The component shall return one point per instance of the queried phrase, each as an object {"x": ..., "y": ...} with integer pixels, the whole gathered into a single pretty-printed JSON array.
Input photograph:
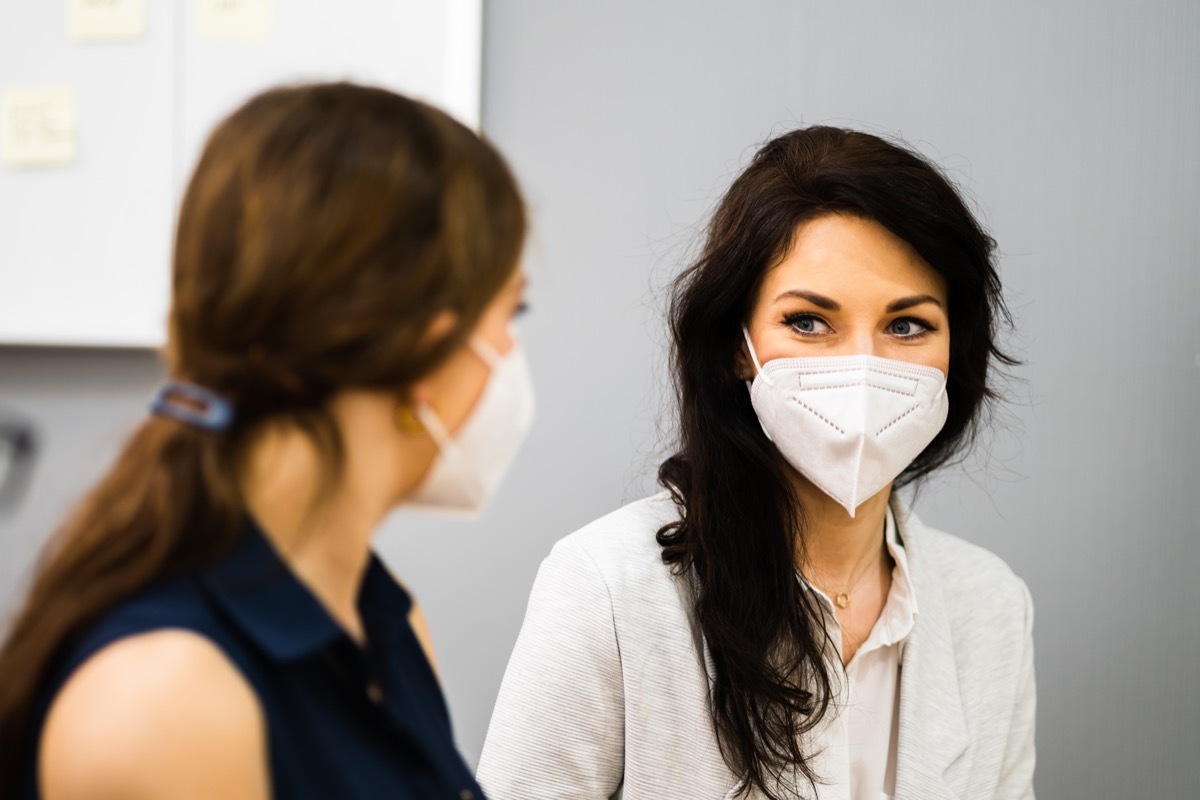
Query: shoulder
[
  {"x": 155, "y": 714},
  {"x": 630, "y": 529},
  {"x": 622, "y": 546},
  {"x": 180, "y": 603},
  {"x": 608, "y": 580},
  {"x": 979, "y": 587}
]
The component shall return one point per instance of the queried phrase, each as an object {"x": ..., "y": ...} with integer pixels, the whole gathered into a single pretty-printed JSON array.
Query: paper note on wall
[
  {"x": 105, "y": 20},
  {"x": 244, "y": 20},
  {"x": 37, "y": 126}
]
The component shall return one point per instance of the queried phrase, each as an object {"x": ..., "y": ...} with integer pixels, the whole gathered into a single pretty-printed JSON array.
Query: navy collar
[{"x": 265, "y": 600}]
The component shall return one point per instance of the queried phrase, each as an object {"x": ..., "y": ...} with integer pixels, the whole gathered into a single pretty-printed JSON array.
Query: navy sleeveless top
[{"x": 342, "y": 720}]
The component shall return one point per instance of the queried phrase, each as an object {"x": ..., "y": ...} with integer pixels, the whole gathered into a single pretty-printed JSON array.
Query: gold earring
[{"x": 407, "y": 420}]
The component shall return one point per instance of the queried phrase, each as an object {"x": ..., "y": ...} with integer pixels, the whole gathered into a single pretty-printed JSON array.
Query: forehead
[{"x": 848, "y": 258}]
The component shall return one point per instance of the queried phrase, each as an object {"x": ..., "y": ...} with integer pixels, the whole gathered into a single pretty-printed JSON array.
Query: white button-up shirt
[{"x": 856, "y": 743}]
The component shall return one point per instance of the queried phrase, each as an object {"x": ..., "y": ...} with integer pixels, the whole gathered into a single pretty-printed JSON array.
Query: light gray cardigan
[{"x": 606, "y": 694}]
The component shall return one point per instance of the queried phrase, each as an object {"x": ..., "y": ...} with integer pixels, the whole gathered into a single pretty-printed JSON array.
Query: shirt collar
[
  {"x": 899, "y": 614},
  {"x": 900, "y": 611},
  {"x": 265, "y": 600}
]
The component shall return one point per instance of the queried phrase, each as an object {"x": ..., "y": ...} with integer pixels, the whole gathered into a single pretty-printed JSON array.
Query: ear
[
  {"x": 442, "y": 325},
  {"x": 743, "y": 364},
  {"x": 438, "y": 328}
]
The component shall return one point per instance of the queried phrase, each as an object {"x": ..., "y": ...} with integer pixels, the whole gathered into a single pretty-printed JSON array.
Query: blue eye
[
  {"x": 909, "y": 328},
  {"x": 807, "y": 324}
]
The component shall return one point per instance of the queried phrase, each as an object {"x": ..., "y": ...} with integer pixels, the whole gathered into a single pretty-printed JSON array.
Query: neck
[
  {"x": 837, "y": 548},
  {"x": 321, "y": 524}
]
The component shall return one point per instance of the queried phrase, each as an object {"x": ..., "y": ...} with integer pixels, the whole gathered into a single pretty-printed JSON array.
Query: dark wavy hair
[{"x": 740, "y": 521}]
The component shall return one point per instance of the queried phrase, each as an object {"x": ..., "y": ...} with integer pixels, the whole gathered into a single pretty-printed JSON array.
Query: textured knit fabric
[
  {"x": 342, "y": 722},
  {"x": 606, "y": 694}
]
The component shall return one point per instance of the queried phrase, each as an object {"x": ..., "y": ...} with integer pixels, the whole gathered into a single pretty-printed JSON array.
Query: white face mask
[
  {"x": 850, "y": 424},
  {"x": 470, "y": 466}
]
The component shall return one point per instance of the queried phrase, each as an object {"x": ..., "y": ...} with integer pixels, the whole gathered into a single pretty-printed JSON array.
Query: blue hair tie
[{"x": 192, "y": 405}]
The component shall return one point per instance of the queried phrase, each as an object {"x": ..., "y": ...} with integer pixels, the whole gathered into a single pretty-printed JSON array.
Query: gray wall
[{"x": 1074, "y": 125}]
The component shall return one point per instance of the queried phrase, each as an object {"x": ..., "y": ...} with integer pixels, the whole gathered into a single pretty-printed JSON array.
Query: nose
[{"x": 862, "y": 343}]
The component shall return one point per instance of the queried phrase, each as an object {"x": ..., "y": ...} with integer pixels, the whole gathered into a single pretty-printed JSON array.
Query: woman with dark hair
[
  {"x": 777, "y": 623},
  {"x": 211, "y": 621}
]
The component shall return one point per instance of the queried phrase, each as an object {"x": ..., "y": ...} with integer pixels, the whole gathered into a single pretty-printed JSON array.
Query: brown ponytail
[{"x": 324, "y": 228}]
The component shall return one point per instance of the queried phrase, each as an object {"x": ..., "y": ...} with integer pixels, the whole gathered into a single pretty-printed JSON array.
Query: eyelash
[
  {"x": 521, "y": 310},
  {"x": 792, "y": 319},
  {"x": 928, "y": 328}
]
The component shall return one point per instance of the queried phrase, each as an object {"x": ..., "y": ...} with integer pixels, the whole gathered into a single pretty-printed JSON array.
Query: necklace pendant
[{"x": 842, "y": 600}]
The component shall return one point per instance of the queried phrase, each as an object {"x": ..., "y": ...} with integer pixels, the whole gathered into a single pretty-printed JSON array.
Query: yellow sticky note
[
  {"x": 37, "y": 126},
  {"x": 105, "y": 20},
  {"x": 245, "y": 20}
]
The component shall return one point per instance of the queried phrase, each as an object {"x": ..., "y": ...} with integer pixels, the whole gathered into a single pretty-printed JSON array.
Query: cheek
[
  {"x": 940, "y": 357},
  {"x": 932, "y": 353},
  {"x": 458, "y": 389},
  {"x": 495, "y": 329},
  {"x": 771, "y": 341}
]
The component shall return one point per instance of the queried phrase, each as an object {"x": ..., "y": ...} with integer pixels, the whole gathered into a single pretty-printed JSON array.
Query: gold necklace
[{"x": 842, "y": 599}]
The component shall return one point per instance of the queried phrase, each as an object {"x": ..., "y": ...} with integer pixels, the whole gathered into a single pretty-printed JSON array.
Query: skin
[
  {"x": 864, "y": 270},
  {"x": 166, "y": 715}
]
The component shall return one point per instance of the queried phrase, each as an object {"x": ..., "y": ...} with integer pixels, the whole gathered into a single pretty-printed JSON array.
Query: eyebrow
[
  {"x": 914, "y": 300},
  {"x": 821, "y": 301}
]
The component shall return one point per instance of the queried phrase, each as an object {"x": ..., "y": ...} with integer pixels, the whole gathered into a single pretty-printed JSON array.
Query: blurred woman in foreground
[{"x": 211, "y": 621}]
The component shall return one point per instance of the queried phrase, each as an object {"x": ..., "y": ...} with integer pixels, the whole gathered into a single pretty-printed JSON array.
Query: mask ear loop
[
  {"x": 754, "y": 357},
  {"x": 487, "y": 354},
  {"x": 429, "y": 418},
  {"x": 436, "y": 429}
]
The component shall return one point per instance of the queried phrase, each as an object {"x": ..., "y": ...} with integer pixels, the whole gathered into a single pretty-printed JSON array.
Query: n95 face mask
[
  {"x": 850, "y": 424},
  {"x": 471, "y": 464}
]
